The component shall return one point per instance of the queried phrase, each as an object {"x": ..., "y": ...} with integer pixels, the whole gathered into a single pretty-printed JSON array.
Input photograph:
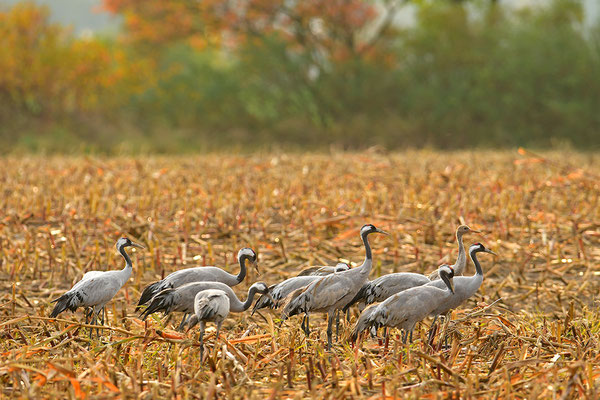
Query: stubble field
[{"x": 532, "y": 331}]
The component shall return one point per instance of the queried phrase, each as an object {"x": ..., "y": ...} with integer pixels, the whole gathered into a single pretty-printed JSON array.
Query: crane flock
[{"x": 205, "y": 294}]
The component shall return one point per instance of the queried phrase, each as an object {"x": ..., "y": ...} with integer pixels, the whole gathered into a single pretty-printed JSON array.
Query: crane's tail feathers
[
  {"x": 369, "y": 318},
  {"x": 163, "y": 301},
  {"x": 67, "y": 301},
  {"x": 149, "y": 293},
  {"x": 295, "y": 303}
]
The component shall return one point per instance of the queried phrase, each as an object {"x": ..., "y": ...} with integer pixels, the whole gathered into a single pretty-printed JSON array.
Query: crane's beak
[
  {"x": 139, "y": 246},
  {"x": 255, "y": 263},
  {"x": 452, "y": 285},
  {"x": 474, "y": 230},
  {"x": 380, "y": 231},
  {"x": 491, "y": 252}
]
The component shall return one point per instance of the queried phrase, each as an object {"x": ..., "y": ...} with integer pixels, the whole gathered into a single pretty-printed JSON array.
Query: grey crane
[
  {"x": 465, "y": 286},
  {"x": 405, "y": 309},
  {"x": 282, "y": 290},
  {"x": 209, "y": 305},
  {"x": 97, "y": 287},
  {"x": 385, "y": 286},
  {"x": 200, "y": 274},
  {"x": 181, "y": 298},
  {"x": 324, "y": 270},
  {"x": 461, "y": 259},
  {"x": 333, "y": 292}
]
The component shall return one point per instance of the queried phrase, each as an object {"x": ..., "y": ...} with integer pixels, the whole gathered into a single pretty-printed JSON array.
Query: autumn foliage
[{"x": 213, "y": 74}]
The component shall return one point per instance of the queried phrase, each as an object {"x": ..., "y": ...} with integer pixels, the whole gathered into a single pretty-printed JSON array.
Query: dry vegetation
[{"x": 532, "y": 331}]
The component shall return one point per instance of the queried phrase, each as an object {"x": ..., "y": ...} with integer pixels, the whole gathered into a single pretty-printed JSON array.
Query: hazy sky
[{"x": 87, "y": 14}]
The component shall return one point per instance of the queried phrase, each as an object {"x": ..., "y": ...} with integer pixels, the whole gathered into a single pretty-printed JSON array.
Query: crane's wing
[
  {"x": 212, "y": 305},
  {"x": 321, "y": 294}
]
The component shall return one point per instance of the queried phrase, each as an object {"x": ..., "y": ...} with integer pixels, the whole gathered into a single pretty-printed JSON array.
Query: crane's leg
[
  {"x": 386, "y": 334},
  {"x": 330, "y": 316},
  {"x": 218, "y": 329},
  {"x": 404, "y": 336},
  {"x": 201, "y": 339},
  {"x": 183, "y": 322},
  {"x": 432, "y": 330},
  {"x": 305, "y": 325},
  {"x": 88, "y": 314},
  {"x": 337, "y": 325}
]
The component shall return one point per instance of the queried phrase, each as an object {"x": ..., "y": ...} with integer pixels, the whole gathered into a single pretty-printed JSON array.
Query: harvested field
[{"x": 533, "y": 330}]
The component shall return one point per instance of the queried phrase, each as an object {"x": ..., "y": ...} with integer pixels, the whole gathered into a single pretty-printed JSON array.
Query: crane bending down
[
  {"x": 97, "y": 287},
  {"x": 461, "y": 260},
  {"x": 465, "y": 286},
  {"x": 200, "y": 274},
  {"x": 181, "y": 299},
  {"x": 405, "y": 309},
  {"x": 388, "y": 285},
  {"x": 209, "y": 305},
  {"x": 333, "y": 292}
]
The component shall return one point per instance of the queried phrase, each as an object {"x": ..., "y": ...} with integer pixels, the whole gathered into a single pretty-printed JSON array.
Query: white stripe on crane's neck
[{"x": 121, "y": 249}]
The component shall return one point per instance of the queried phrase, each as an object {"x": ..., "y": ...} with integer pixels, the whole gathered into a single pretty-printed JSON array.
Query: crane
[
  {"x": 209, "y": 305},
  {"x": 465, "y": 286},
  {"x": 403, "y": 310},
  {"x": 98, "y": 288},
  {"x": 200, "y": 274},
  {"x": 182, "y": 298},
  {"x": 333, "y": 292}
]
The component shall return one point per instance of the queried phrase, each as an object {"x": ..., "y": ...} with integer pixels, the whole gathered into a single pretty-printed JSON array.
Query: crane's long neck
[
  {"x": 368, "y": 263},
  {"x": 461, "y": 260},
  {"x": 237, "y": 306},
  {"x": 128, "y": 265},
  {"x": 242, "y": 260},
  {"x": 473, "y": 255}
]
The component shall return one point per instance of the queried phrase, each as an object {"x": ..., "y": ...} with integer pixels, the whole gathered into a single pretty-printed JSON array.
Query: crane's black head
[
  {"x": 479, "y": 248},
  {"x": 367, "y": 229},
  {"x": 261, "y": 287},
  {"x": 446, "y": 273},
  {"x": 125, "y": 242},
  {"x": 248, "y": 254},
  {"x": 341, "y": 267}
]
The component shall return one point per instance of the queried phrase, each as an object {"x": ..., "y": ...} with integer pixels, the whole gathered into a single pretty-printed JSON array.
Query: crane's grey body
[
  {"x": 333, "y": 292},
  {"x": 325, "y": 270},
  {"x": 403, "y": 310},
  {"x": 211, "y": 305},
  {"x": 199, "y": 274},
  {"x": 464, "y": 286},
  {"x": 96, "y": 287},
  {"x": 181, "y": 299},
  {"x": 461, "y": 260},
  {"x": 282, "y": 290},
  {"x": 385, "y": 286}
]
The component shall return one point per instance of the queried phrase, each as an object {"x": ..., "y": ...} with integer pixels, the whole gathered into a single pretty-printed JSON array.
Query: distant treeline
[{"x": 186, "y": 75}]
